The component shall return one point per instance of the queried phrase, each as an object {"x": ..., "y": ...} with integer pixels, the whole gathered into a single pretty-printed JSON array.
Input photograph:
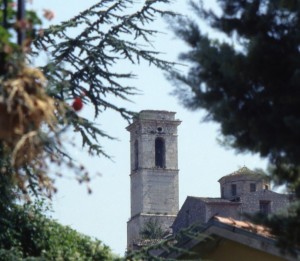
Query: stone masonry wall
[
  {"x": 159, "y": 192},
  {"x": 193, "y": 211},
  {"x": 242, "y": 186},
  {"x": 223, "y": 209},
  {"x": 250, "y": 201}
]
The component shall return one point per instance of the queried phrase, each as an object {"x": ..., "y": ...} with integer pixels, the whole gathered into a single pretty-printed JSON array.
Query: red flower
[
  {"x": 48, "y": 14},
  {"x": 77, "y": 104}
]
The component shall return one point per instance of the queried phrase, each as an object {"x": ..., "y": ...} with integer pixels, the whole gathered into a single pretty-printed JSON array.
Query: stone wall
[
  {"x": 223, "y": 209},
  {"x": 242, "y": 178},
  {"x": 155, "y": 191},
  {"x": 251, "y": 201},
  {"x": 193, "y": 211},
  {"x": 156, "y": 115},
  {"x": 201, "y": 210}
]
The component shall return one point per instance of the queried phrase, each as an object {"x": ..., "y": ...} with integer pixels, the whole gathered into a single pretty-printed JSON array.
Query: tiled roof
[
  {"x": 257, "y": 229},
  {"x": 242, "y": 171},
  {"x": 213, "y": 200},
  {"x": 245, "y": 233}
]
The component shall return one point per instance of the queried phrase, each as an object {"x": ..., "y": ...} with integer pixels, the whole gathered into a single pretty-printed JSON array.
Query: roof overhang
[{"x": 253, "y": 236}]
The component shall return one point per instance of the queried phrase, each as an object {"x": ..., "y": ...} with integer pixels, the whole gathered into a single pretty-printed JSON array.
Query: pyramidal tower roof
[{"x": 244, "y": 171}]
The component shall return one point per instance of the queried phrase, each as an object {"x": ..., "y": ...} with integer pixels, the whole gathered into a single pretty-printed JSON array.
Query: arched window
[
  {"x": 136, "y": 154},
  {"x": 159, "y": 152}
]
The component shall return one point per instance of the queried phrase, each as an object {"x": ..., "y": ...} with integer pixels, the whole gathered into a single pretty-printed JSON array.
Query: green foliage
[
  {"x": 10, "y": 25},
  {"x": 170, "y": 247},
  {"x": 286, "y": 225},
  {"x": 26, "y": 234},
  {"x": 81, "y": 66},
  {"x": 107, "y": 34},
  {"x": 7, "y": 18},
  {"x": 85, "y": 54},
  {"x": 153, "y": 230},
  {"x": 250, "y": 87},
  {"x": 248, "y": 80}
]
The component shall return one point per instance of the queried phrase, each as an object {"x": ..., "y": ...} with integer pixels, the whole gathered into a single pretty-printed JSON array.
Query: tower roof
[
  {"x": 245, "y": 172},
  {"x": 156, "y": 115}
]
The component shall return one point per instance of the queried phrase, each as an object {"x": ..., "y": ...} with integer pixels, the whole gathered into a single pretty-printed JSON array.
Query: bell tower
[{"x": 153, "y": 172}]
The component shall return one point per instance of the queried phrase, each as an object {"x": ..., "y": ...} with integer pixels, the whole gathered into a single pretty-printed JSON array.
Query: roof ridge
[{"x": 242, "y": 171}]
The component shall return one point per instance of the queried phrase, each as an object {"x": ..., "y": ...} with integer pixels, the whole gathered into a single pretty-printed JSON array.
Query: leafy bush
[{"x": 27, "y": 234}]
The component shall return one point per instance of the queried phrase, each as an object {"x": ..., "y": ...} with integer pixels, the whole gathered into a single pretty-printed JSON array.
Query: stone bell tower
[{"x": 153, "y": 173}]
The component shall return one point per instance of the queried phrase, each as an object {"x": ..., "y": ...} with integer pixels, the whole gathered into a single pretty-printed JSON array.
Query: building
[
  {"x": 153, "y": 172},
  {"x": 154, "y": 184},
  {"x": 242, "y": 192},
  {"x": 226, "y": 239}
]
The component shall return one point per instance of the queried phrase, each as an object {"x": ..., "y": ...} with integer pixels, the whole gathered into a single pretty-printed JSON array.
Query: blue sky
[{"x": 202, "y": 161}]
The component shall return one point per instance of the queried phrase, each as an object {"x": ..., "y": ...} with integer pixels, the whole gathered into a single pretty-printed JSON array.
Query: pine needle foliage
[
  {"x": 86, "y": 57},
  {"x": 85, "y": 63},
  {"x": 153, "y": 230},
  {"x": 247, "y": 79},
  {"x": 170, "y": 247}
]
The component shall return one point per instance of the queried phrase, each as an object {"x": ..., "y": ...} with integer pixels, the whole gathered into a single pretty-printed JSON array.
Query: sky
[{"x": 202, "y": 161}]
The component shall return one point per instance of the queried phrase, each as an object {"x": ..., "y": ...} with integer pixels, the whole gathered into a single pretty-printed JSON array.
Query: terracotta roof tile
[{"x": 258, "y": 229}]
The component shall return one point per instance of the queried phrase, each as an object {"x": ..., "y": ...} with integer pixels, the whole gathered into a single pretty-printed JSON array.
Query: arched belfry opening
[
  {"x": 160, "y": 151},
  {"x": 136, "y": 154}
]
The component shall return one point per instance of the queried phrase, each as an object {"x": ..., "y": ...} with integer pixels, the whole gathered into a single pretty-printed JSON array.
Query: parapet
[{"x": 156, "y": 115}]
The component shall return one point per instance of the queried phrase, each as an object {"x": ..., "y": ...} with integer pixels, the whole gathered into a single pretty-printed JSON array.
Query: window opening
[
  {"x": 236, "y": 199},
  {"x": 252, "y": 187},
  {"x": 136, "y": 154},
  {"x": 265, "y": 206},
  {"x": 266, "y": 187},
  {"x": 233, "y": 189},
  {"x": 159, "y": 152}
]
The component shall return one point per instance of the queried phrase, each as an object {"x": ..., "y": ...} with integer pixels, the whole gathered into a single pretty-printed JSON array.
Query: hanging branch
[
  {"x": 85, "y": 63},
  {"x": 34, "y": 102}
]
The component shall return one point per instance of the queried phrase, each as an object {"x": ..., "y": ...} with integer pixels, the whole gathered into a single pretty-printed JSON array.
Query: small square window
[
  {"x": 252, "y": 187},
  {"x": 265, "y": 206}
]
